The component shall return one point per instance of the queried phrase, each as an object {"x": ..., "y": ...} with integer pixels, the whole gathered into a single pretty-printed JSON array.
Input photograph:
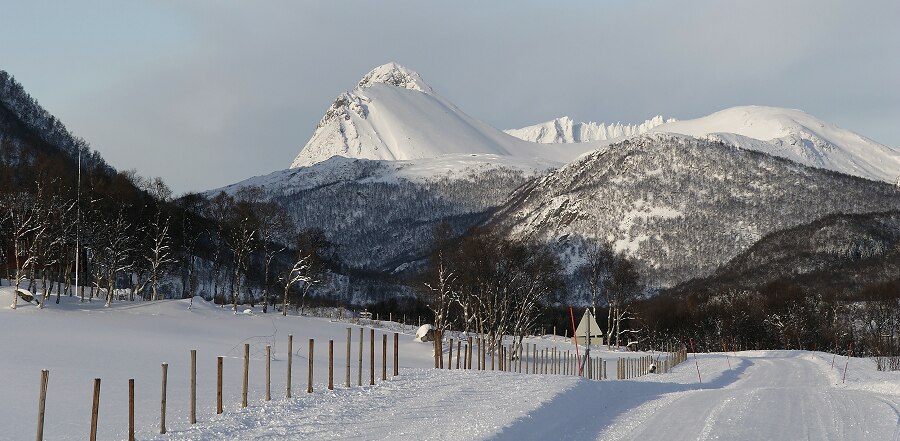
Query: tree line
[{"x": 132, "y": 239}]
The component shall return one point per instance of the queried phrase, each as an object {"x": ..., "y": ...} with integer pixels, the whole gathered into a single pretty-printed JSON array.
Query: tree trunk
[
  {"x": 284, "y": 304},
  {"x": 609, "y": 327},
  {"x": 235, "y": 288},
  {"x": 266, "y": 286},
  {"x": 18, "y": 275}
]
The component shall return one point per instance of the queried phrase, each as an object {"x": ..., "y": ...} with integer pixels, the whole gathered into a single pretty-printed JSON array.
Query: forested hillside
[{"x": 680, "y": 206}]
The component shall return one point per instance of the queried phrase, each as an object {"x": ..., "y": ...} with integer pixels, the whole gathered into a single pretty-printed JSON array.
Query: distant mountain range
[{"x": 787, "y": 133}]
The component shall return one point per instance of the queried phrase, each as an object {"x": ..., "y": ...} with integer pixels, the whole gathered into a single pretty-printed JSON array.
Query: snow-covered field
[{"x": 762, "y": 395}]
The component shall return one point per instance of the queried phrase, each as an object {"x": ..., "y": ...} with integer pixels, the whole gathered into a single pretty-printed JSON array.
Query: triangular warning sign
[{"x": 588, "y": 324}]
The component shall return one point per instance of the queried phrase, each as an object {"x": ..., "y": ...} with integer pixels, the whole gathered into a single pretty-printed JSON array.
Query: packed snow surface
[{"x": 756, "y": 395}]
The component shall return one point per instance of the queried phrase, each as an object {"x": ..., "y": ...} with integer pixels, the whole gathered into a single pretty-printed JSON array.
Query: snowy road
[
  {"x": 778, "y": 395},
  {"x": 772, "y": 396},
  {"x": 784, "y": 397}
]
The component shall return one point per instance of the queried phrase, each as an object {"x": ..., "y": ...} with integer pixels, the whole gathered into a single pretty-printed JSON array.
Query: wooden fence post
[
  {"x": 520, "y": 357},
  {"x": 290, "y": 358},
  {"x": 246, "y": 384},
  {"x": 349, "y": 338},
  {"x": 469, "y": 354},
  {"x": 397, "y": 354},
  {"x": 219, "y": 386},
  {"x": 162, "y": 401},
  {"x": 528, "y": 362},
  {"x": 360, "y": 371},
  {"x": 450, "y": 355},
  {"x": 42, "y": 404},
  {"x": 309, "y": 379},
  {"x": 330, "y": 364},
  {"x": 434, "y": 344},
  {"x": 440, "y": 342},
  {"x": 372, "y": 357},
  {"x": 493, "y": 351},
  {"x": 95, "y": 410},
  {"x": 131, "y": 409},
  {"x": 458, "y": 352},
  {"x": 383, "y": 357},
  {"x": 465, "y": 363},
  {"x": 268, "y": 372},
  {"x": 193, "y": 415}
]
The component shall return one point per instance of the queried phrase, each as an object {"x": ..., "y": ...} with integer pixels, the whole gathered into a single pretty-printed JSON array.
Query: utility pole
[{"x": 78, "y": 221}]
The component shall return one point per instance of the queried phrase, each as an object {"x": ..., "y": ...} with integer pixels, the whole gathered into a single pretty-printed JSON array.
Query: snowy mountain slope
[
  {"x": 565, "y": 130},
  {"x": 680, "y": 206},
  {"x": 421, "y": 171},
  {"x": 393, "y": 115},
  {"x": 795, "y": 135},
  {"x": 841, "y": 254},
  {"x": 380, "y": 214}
]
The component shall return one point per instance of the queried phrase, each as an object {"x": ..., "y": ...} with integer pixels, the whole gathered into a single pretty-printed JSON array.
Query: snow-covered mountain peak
[
  {"x": 566, "y": 130},
  {"x": 395, "y": 75},
  {"x": 393, "y": 115},
  {"x": 795, "y": 135}
]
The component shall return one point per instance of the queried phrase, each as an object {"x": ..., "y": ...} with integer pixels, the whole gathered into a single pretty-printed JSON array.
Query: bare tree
[
  {"x": 23, "y": 223},
  {"x": 273, "y": 226},
  {"x": 624, "y": 288},
  {"x": 159, "y": 255},
  {"x": 439, "y": 293},
  {"x": 299, "y": 272},
  {"x": 242, "y": 234},
  {"x": 598, "y": 259}
]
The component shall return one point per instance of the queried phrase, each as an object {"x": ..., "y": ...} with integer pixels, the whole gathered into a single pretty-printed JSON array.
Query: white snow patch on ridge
[{"x": 642, "y": 211}]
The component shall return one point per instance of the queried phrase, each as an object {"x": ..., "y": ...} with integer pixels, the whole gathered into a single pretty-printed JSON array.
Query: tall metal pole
[{"x": 78, "y": 220}]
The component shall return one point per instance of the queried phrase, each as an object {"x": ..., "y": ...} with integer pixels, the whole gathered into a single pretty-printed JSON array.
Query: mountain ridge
[{"x": 680, "y": 206}]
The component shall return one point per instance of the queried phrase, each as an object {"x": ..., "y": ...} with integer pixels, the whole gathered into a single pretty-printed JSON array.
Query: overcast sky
[{"x": 207, "y": 93}]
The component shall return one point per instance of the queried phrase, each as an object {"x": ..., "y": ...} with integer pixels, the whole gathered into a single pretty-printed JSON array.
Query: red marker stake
[
  {"x": 849, "y": 351},
  {"x": 724, "y": 351},
  {"x": 695, "y": 360},
  {"x": 574, "y": 337}
]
